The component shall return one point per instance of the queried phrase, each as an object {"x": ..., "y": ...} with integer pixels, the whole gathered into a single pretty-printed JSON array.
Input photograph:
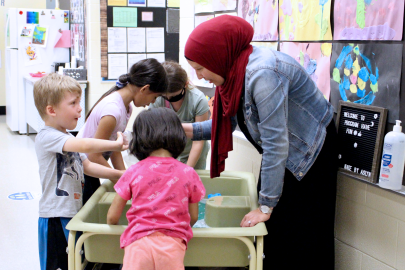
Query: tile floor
[{"x": 19, "y": 218}]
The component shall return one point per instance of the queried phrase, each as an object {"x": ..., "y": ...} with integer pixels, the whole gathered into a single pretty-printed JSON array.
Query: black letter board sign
[{"x": 360, "y": 138}]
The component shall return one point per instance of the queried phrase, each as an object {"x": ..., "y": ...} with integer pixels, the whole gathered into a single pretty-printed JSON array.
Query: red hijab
[{"x": 222, "y": 45}]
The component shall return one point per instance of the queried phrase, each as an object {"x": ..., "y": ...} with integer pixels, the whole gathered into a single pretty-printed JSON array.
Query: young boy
[{"x": 61, "y": 167}]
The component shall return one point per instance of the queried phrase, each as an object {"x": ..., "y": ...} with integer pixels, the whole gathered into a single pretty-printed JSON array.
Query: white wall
[{"x": 11, "y": 4}]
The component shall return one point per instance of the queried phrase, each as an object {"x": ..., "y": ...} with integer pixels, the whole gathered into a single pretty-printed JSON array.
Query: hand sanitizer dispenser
[{"x": 393, "y": 158}]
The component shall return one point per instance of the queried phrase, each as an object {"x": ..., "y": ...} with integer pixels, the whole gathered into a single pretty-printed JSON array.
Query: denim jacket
[{"x": 285, "y": 114}]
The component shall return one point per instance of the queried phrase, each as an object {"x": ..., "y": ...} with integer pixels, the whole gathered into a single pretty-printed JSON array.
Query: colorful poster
[
  {"x": 315, "y": 58},
  {"x": 367, "y": 74},
  {"x": 173, "y": 3},
  {"x": 32, "y": 56},
  {"x": 125, "y": 17},
  {"x": 305, "y": 20},
  {"x": 271, "y": 45},
  {"x": 368, "y": 20},
  {"x": 262, "y": 15},
  {"x": 39, "y": 37},
  {"x": 27, "y": 30}
]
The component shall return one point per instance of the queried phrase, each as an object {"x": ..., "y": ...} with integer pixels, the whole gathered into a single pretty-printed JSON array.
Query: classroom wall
[{"x": 11, "y": 4}]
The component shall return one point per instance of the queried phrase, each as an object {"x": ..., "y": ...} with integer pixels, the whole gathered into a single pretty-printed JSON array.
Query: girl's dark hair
[
  {"x": 147, "y": 71},
  {"x": 176, "y": 76},
  {"x": 157, "y": 128}
]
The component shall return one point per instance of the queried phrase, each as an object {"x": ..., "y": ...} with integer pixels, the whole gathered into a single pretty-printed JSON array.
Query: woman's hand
[
  {"x": 122, "y": 142},
  {"x": 254, "y": 217}
]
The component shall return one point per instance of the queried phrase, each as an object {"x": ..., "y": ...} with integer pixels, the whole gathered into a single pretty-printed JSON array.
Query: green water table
[{"x": 224, "y": 243}]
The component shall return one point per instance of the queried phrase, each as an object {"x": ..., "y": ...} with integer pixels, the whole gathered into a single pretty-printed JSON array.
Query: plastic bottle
[{"x": 393, "y": 158}]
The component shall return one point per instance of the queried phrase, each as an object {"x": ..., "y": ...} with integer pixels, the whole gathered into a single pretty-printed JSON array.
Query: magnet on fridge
[
  {"x": 43, "y": 12},
  {"x": 66, "y": 20},
  {"x": 53, "y": 17},
  {"x": 21, "y": 12},
  {"x": 66, "y": 14}
]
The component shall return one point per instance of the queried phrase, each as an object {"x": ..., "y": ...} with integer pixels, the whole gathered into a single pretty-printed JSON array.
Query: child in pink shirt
[{"x": 165, "y": 195}]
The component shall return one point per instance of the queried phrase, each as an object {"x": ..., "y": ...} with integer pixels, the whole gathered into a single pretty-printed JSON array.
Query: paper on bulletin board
[
  {"x": 121, "y": 3},
  {"x": 156, "y": 3},
  {"x": 125, "y": 17},
  {"x": 136, "y": 40},
  {"x": 262, "y": 15},
  {"x": 147, "y": 16},
  {"x": 173, "y": 3},
  {"x": 201, "y": 6},
  {"x": 32, "y": 55},
  {"x": 117, "y": 39},
  {"x": 134, "y": 58},
  {"x": 117, "y": 65},
  {"x": 137, "y": 3},
  {"x": 155, "y": 39},
  {"x": 226, "y": 13},
  {"x": 158, "y": 56},
  {"x": 315, "y": 58},
  {"x": 370, "y": 20},
  {"x": 40, "y": 36},
  {"x": 305, "y": 20},
  {"x": 221, "y": 5},
  {"x": 367, "y": 74},
  {"x": 63, "y": 39}
]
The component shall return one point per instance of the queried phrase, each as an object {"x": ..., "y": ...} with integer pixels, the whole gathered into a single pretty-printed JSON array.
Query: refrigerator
[{"x": 30, "y": 35}]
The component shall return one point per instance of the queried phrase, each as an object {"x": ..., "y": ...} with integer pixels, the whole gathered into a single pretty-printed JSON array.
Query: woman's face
[{"x": 203, "y": 73}]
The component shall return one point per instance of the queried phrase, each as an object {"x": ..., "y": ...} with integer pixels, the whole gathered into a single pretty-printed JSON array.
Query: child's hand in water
[{"x": 122, "y": 142}]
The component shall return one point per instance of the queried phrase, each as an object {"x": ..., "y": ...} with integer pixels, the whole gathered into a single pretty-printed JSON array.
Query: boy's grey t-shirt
[{"x": 61, "y": 174}]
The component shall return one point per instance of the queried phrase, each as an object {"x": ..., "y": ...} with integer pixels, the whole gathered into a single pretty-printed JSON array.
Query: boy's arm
[
  {"x": 88, "y": 145},
  {"x": 193, "y": 210},
  {"x": 100, "y": 171},
  {"x": 115, "y": 211}
]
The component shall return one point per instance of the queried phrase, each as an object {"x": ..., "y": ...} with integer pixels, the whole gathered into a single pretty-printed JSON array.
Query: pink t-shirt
[
  {"x": 161, "y": 189},
  {"x": 110, "y": 105}
]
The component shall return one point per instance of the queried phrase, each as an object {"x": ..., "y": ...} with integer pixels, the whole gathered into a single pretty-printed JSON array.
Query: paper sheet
[
  {"x": 201, "y": 19},
  {"x": 136, "y": 39},
  {"x": 27, "y": 30},
  {"x": 222, "y": 5},
  {"x": 64, "y": 39},
  {"x": 117, "y": 39},
  {"x": 147, "y": 16},
  {"x": 315, "y": 58},
  {"x": 305, "y": 20},
  {"x": 158, "y": 56},
  {"x": 371, "y": 20},
  {"x": 367, "y": 74},
  {"x": 32, "y": 55},
  {"x": 156, "y": 3},
  {"x": 125, "y": 17},
  {"x": 117, "y": 65},
  {"x": 173, "y": 3},
  {"x": 133, "y": 58},
  {"x": 117, "y": 3},
  {"x": 201, "y": 6},
  {"x": 137, "y": 3},
  {"x": 40, "y": 36},
  {"x": 262, "y": 16},
  {"x": 155, "y": 41},
  {"x": 227, "y": 13}
]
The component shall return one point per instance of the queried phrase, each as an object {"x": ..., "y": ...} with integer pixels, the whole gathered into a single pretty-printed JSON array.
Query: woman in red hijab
[{"x": 286, "y": 118}]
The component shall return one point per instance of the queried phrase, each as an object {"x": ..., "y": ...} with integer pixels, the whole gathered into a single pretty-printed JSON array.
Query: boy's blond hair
[{"x": 51, "y": 89}]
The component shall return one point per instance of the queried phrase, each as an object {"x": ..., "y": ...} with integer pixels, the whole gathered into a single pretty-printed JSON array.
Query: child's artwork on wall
[
  {"x": 315, "y": 58},
  {"x": 39, "y": 36},
  {"x": 305, "y": 20},
  {"x": 271, "y": 45},
  {"x": 367, "y": 74},
  {"x": 262, "y": 15},
  {"x": 368, "y": 19},
  {"x": 201, "y": 6}
]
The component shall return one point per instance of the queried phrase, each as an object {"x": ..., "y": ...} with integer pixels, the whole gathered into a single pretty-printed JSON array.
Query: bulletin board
[{"x": 132, "y": 30}]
